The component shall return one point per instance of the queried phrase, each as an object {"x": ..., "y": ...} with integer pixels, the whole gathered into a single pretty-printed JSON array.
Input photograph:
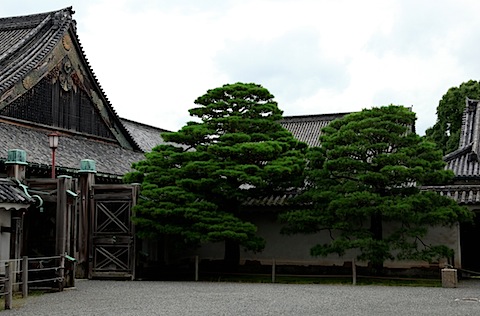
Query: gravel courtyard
[{"x": 118, "y": 298}]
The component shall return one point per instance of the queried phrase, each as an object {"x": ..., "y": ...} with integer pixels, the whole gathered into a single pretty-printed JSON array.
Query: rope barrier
[{"x": 469, "y": 271}]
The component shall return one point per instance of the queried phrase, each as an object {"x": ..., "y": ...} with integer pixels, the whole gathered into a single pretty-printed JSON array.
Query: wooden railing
[{"x": 20, "y": 273}]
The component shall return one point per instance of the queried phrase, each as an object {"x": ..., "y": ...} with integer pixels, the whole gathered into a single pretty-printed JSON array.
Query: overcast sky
[{"x": 153, "y": 58}]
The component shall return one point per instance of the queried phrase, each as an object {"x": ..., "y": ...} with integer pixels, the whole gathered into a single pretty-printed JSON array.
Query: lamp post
[{"x": 53, "y": 143}]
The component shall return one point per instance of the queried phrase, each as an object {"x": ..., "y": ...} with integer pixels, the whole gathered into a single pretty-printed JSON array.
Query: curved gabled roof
[{"x": 26, "y": 42}]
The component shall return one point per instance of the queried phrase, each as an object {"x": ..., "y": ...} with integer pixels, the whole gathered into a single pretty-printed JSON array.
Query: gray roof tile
[
  {"x": 110, "y": 158},
  {"x": 307, "y": 128},
  {"x": 10, "y": 192},
  {"x": 146, "y": 136},
  {"x": 22, "y": 35}
]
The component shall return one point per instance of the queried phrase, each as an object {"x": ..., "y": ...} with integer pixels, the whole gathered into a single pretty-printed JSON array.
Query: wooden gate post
[
  {"x": 16, "y": 167},
  {"x": 136, "y": 247},
  {"x": 61, "y": 216},
  {"x": 87, "y": 180}
]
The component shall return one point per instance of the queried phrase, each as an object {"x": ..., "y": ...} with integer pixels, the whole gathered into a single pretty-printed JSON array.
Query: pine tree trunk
[
  {"x": 232, "y": 255},
  {"x": 377, "y": 230}
]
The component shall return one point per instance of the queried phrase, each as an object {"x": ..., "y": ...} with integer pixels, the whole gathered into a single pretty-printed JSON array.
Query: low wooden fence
[{"x": 20, "y": 275}]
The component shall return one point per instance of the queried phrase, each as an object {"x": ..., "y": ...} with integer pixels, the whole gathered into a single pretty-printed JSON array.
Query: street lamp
[{"x": 53, "y": 143}]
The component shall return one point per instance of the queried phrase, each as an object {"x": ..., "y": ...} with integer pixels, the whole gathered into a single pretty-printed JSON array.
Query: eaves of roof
[
  {"x": 25, "y": 41},
  {"x": 110, "y": 158},
  {"x": 272, "y": 200},
  {"x": 11, "y": 193},
  {"x": 462, "y": 194}
]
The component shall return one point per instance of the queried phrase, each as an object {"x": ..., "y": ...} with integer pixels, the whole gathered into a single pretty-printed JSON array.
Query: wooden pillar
[
  {"x": 74, "y": 206},
  {"x": 61, "y": 215},
  {"x": 67, "y": 213},
  {"x": 136, "y": 246},
  {"x": 87, "y": 180},
  {"x": 16, "y": 165}
]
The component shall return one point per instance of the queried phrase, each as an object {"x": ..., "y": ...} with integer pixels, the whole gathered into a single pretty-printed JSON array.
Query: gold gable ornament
[
  {"x": 28, "y": 82},
  {"x": 67, "y": 42}
]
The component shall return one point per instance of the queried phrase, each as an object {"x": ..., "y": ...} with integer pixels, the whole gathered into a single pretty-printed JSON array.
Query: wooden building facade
[{"x": 47, "y": 85}]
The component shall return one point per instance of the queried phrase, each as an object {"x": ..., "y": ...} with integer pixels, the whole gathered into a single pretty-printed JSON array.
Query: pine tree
[
  {"x": 238, "y": 150},
  {"x": 367, "y": 173}
]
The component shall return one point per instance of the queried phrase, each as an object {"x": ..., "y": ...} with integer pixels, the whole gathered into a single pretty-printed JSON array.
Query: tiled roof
[
  {"x": 307, "y": 128},
  {"x": 22, "y": 35},
  {"x": 10, "y": 192},
  {"x": 273, "y": 200},
  {"x": 26, "y": 44},
  {"x": 464, "y": 161},
  {"x": 146, "y": 136},
  {"x": 110, "y": 158},
  {"x": 463, "y": 194}
]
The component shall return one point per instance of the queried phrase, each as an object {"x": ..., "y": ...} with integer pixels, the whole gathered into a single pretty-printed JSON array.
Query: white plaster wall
[
  {"x": 437, "y": 235},
  {"x": 295, "y": 249},
  {"x": 5, "y": 220}
]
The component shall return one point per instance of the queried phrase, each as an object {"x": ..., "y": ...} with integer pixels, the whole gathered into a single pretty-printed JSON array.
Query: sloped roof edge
[
  {"x": 54, "y": 25},
  {"x": 95, "y": 80}
]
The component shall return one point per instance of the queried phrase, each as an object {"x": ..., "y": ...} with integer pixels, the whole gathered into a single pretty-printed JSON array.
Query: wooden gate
[{"x": 112, "y": 250}]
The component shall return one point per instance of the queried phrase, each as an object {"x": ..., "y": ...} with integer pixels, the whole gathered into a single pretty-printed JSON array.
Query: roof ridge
[
  {"x": 100, "y": 89},
  {"x": 313, "y": 117},
  {"x": 28, "y": 20},
  {"x": 17, "y": 71},
  {"x": 26, "y": 38},
  {"x": 458, "y": 152},
  {"x": 142, "y": 124}
]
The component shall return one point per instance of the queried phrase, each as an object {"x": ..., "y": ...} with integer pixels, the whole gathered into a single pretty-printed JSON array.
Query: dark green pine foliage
[
  {"x": 446, "y": 131},
  {"x": 364, "y": 177},
  {"x": 238, "y": 150}
]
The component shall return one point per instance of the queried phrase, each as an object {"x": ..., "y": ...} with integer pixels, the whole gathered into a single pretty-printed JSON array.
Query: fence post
[
  {"x": 8, "y": 284},
  {"x": 273, "y": 270},
  {"x": 354, "y": 272},
  {"x": 61, "y": 272},
  {"x": 196, "y": 268},
  {"x": 25, "y": 277}
]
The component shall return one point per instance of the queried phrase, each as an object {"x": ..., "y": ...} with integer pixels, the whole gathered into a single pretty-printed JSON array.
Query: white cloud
[{"x": 153, "y": 58}]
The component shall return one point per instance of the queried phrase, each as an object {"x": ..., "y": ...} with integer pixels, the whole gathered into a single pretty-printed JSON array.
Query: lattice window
[
  {"x": 34, "y": 105},
  {"x": 89, "y": 119},
  {"x": 47, "y": 103}
]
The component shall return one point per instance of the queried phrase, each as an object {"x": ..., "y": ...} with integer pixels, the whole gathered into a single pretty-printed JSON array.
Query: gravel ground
[{"x": 118, "y": 298}]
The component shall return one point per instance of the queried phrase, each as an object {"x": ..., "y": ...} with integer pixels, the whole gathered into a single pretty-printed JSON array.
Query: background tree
[
  {"x": 364, "y": 176},
  {"x": 237, "y": 151},
  {"x": 446, "y": 131}
]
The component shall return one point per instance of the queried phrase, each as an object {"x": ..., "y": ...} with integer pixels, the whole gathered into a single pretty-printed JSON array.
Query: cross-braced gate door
[{"x": 112, "y": 250}]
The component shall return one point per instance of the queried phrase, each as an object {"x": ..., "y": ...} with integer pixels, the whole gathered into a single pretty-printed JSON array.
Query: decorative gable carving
[{"x": 55, "y": 86}]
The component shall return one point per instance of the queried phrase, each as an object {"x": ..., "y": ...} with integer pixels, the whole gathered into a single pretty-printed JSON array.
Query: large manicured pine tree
[
  {"x": 193, "y": 191},
  {"x": 367, "y": 173}
]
